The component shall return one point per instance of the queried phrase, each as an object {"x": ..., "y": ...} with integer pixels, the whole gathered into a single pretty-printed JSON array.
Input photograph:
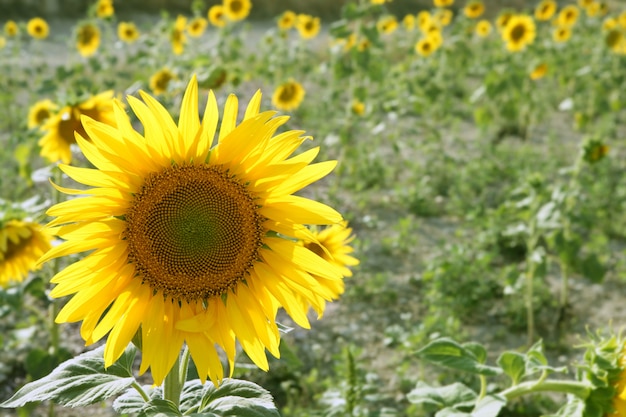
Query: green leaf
[
  {"x": 593, "y": 269},
  {"x": 536, "y": 361},
  {"x": 513, "y": 364},
  {"x": 232, "y": 398},
  {"x": 447, "y": 352},
  {"x": 575, "y": 407},
  {"x": 79, "y": 381},
  {"x": 158, "y": 407},
  {"x": 489, "y": 406},
  {"x": 454, "y": 395},
  {"x": 131, "y": 402},
  {"x": 40, "y": 362},
  {"x": 451, "y": 412}
]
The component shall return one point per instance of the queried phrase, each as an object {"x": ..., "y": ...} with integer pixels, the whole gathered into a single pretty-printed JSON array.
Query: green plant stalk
[
  {"x": 530, "y": 311},
  {"x": 578, "y": 388},
  {"x": 171, "y": 385},
  {"x": 564, "y": 285}
]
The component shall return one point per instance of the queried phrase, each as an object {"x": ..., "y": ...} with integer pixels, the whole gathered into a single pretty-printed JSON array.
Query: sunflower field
[{"x": 403, "y": 209}]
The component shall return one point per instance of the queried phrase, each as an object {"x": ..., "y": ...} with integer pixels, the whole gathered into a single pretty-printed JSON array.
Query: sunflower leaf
[
  {"x": 446, "y": 352},
  {"x": 232, "y": 398},
  {"x": 80, "y": 381}
]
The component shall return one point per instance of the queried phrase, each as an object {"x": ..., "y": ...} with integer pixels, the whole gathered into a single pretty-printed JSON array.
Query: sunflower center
[
  {"x": 236, "y": 6},
  {"x": 193, "y": 231},
  {"x": 86, "y": 35},
  {"x": 14, "y": 248},
  {"x": 518, "y": 32},
  {"x": 288, "y": 93}
]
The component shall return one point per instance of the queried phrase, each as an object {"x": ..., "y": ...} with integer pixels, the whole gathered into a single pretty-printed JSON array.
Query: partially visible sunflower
[
  {"x": 196, "y": 27},
  {"x": 545, "y": 10},
  {"x": 177, "y": 35},
  {"x": 609, "y": 23},
  {"x": 363, "y": 44},
  {"x": 616, "y": 41},
  {"x": 426, "y": 46},
  {"x": 443, "y": 17},
  {"x": 60, "y": 128},
  {"x": 423, "y": 19},
  {"x": 443, "y": 3},
  {"x": 237, "y": 10},
  {"x": 40, "y": 112},
  {"x": 308, "y": 26},
  {"x": 287, "y": 20},
  {"x": 288, "y": 96},
  {"x": 387, "y": 24},
  {"x": 474, "y": 9},
  {"x": 408, "y": 21},
  {"x": 3, "y": 42},
  {"x": 503, "y": 19},
  {"x": 562, "y": 34},
  {"x": 519, "y": 32},
  {"x": 161, "y": 80},
  {"x": 11, "y": 29},
  {"x": 621, "y": 19},
  {"x": 38, "y": 28},
  {"x": 192, "y": 243},
  {"x": 216, "y": 16},
  {"x": 567, "y": 16},
  {"x": 22, "y": 243},
  {"x": 127, "y": 32},
  {"x": 357, "y": 107},
  {"x": 105, "y": 8},
  {"x": 483, "y": 28},
  {"x": 87, "y": 39},
  {"x": 380, "y": 1},
  {"x": 539, "y": 71}
]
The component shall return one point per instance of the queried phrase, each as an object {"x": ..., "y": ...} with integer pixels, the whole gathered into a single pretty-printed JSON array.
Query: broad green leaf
[
  {"x": 131, "y": 402},
  {"x": 536, "y": 361},
  {"x": 158, "y": 407},
  {"x": 79, "y": 381},
  {"x": 489, "y": 406},
  {"x": 454, "y": 395},
  {"x": 513, "y": 364},
  {"x": 451, "y": 412},
  {"x": 447, "y": 352}
]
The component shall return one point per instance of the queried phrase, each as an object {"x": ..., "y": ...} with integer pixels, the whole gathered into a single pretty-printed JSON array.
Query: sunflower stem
[
  {"x": 578, "y": 388},
  {"x": 172, "y": 386},
  {"x": 141, "y": 392}
]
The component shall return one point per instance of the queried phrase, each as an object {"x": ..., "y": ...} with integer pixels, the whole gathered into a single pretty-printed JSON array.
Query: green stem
[
  {"x": 577, "y": 388},
  {"x": 184, "y": 366},
  {"x": 483, "y": 387},
  {"x": 564, "y": 284},
  {"x": 530, "y": 311},
  {"x": 140, "y": 390},
  {"x": 175, "y": 379}
]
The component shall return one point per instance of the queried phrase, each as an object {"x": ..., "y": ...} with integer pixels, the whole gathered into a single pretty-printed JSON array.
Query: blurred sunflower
[
  {"x": 562, "y": 34},
  {"x": 196, "y": 27},
  {"x": 105, "y": 8},
  {"x": 474, "y": 9},
  {"x": 127, "y": 32},
  {"x": 503, "y": 19},
  {"x": 288, "y": 96},
  {"x": 621, "y": 19},
  {"x": 594, "y": 150},
  {"x": 87, "y": 39},
  {"x": 443, "y": 3},
  {"x": 308, "y": 26},
  {"x": 287, "y": 20},
  {"x": 191, "y": 244},
  {"x": 609, "y": 23},
  {"x": 363, "y": 44},
  {"x": 545, "y": 10},
  {"x": 408, "y": 21},
  {"x": 22, "y": 243},
  {"x": 568, "y": 16},
  {"x": 40, "y": 112},
  {"x": 387, "y": 24},
  {"x": 160, "y": 80},
  {"x": 519, "y": 33},
  {"x": 426, "y": 46},
  {"x": 357, "y": 107},
  {"x": 539, "y": 71},
  {"x": 616, "y": 41},
  {"x": 483, "y": 28},
  {"x": 423, "y": 18},
  {"x": 216, "y": 16},
  {"x": 38, "y": 28},
  {"x": 443, "y": 17},
  {"x": 3, "y": 42},
  {"x": 60, "y": 128},
  {"x": 380, "y": 1},
  {"x": 177, "y": 35},
  {"x": 237, "y": 10},
  {"x": 593, "y": 9},
  {"x": 585, "y": 3},
  {"x": 11, "y": 29}
]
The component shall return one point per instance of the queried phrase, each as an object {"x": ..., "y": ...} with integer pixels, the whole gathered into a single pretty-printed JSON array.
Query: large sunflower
[
  {"x": 236, "y": 10},
  {"x": 22, "y": 243},
  {"x": 519, "y": 32},
  {"x": 288, "y": 96},
  {"x": 87, "y": 39},
  {"x": 189, "y": 243},
  {"x": 55, "y": 144}
]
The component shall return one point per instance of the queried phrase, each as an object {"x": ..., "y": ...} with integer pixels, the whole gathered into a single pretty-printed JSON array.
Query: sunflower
[
  {"x": 104, "y": 8},
  {"x": 443, "y": 17},
  {"x": 621, "y": 19},
  {"x": 483, "y": 28},
  {"x": 562, "y": 34},
  {"x": 308, "y": 26},
  {"x": 443, "y": 3},
  {"x": 539, "y": 71},
  {"x": 236, "y": 10},
  {"x": 568, "y": 16},
  {"x": 40, "y": 112},
  {"x": 357, "y": 107},
  {"x": 60, "y": 128},
  {"x": 191, "y": 244},
  {"x": 288, "y": 96},
  {"x": 22, "y": 243},
  {"x": 426, "y": 46},
  {"x": 519, "y": 32},
  {"x": 177, "y": 35},
  {"x": 127, "y": 32},
  {"x": 87, "y": 39},
  {"x": 594, "y": 9},
  {"x": 503, "y": 19},
  {"x": 161, "y": 80},
  {"x": 3, "y": 42},
  {"x": 545, "y": 10},
  {"x": 216, "y": 16},
  {"x": 609, "y": 23},
  {"x": 616, "y": 41},
  {"x": 38, "y": 28},
  {"x": 387, "y": 24},
  {"x": 363, "y": 44},
  {"x": 287, "y": 20},
  {"x": 408, "y": 21},
  {"x": 196, "y": 27},
  {"x": 474, "y": 9},
  {"x": 11, "y": 29},
  {"x": 423, "y": 19}
]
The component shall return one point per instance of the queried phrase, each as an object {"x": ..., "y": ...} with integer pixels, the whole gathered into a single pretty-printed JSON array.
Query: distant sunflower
[
  {"x": 161, "y": 80},
  {"x": 177, "y": 35},
  {"x": 519, "y": 32},
  {"x": 443, "y": 3},
  {"x": 424, "y": 18},
  {"x": 387, "y": 24},
  {"x": 288, "y": 96},
  {"x": 408, "y": 21},
  {"x": 22, "y": 243},
  {"x": 216, "y": 16},
  {"x": 3, "y": 42},
  {"x": 562, "y": 34},
  {"x": 127, "y": 32},
  {"x": 363, "y": 44},
  {"x": 60, "y": 128},
  {"x": 545, "y": 10},
  {"x": 237, "y": 10},
  {"x": 483, "y": 28},
  {"x": 357, "y": 107},
  {"x": 615, "y": 40},
  {"x": 443, "y": 16},
  {"x": 609, "y": 23},
  {"x": 40, "y": 112},
  {"x": 425, "y": 46},
  {"x": 474, "y": 9},
  {"x": 287, "y": 20},
  {"x": 539, "y": 71},
  {"x": 503, "y": 19},
  {"x": 87, "y": 39},
  {"x": 105, "y": 8},
  {"x": 11, "y": 29},
  {"x": 568, "y": 16},
  {"x": 308, "y": 26},
  {"x": 191, "y": 244},
  {"x": 38, "y": 28},
  {"x": 196, "y": 27}
]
